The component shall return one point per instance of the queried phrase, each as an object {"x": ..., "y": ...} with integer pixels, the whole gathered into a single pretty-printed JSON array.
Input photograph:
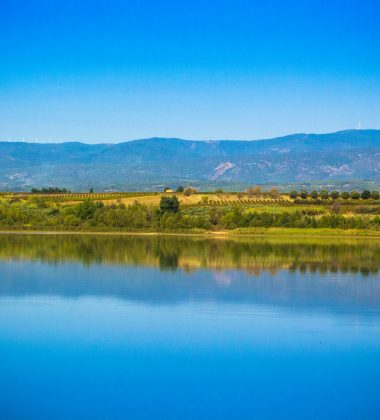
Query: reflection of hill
[{"x": 191, "y": 253}]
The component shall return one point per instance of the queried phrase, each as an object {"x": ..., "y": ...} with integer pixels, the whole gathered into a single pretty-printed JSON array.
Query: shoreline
[{"x": 269, "y": 232}]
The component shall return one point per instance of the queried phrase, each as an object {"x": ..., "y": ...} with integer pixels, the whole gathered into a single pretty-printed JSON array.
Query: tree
[
  {"x": 86, "y": 210},
  {"x": 180, "y": 189},
  {"x": 303, "y": 194},
  {"x": 254, "y": 191},
  {"x": 375, "y": 195},
  {"x": 91, "y": 190},
  {"x": 324, "y": 194},
  {"x": 334, "y": 195},
  {"x": 345, "y": 195},
  {"x": 314, "y": 195},
  {"x": 354, "y": 195},
  {"x": 366, "y": 194},
  {"x": 169, "y": 204},
  {"x": 204, "y": 200},
  {"x": 274, "y": 193},
  {"x": 189, "y": 191},
  {"x": 293, "y": 194}
]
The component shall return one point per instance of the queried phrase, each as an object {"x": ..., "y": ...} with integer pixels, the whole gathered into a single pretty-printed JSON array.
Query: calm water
[{"x": 138, "y": 327}]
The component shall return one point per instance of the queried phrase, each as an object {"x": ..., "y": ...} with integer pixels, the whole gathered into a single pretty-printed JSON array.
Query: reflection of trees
[{"x": 312, "y": 255}]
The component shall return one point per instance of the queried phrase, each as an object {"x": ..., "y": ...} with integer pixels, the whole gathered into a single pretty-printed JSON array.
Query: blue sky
[{"x": 113, "y": 70}]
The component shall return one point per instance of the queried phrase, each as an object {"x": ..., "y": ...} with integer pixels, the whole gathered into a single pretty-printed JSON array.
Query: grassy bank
[{"x": 241, "y": 232}]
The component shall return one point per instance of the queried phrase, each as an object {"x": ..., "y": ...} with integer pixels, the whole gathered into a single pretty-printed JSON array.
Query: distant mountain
[{"x": 149, "y": 164}]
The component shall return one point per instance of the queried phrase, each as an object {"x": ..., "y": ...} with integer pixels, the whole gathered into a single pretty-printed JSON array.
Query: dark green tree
[
  {"x": 180, "y": 189},
  {"x": 169, "y": 204},
  {"x": 354, "y": 195},
  {"x": 314, "y": 195},
  {"x": 334, "y": 195},
  {"x": 345, "y": 195},
  {"x": 293, "y": 194},
  {"x": 303, "y": 194},
  {"x": 375, "y": 195},
  {"x": 324, "y": 194},
  {"x": 365, "y": 195}
]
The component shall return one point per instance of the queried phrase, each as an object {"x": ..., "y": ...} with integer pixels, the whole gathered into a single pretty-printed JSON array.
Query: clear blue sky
[{"x": 116, "y": 70}]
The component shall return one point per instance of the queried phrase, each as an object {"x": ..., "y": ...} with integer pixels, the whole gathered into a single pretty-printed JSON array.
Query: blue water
[{"x": 105, "y": 340}]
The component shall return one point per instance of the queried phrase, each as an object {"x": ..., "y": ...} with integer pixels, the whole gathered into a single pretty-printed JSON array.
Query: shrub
[{"x": 336, "y": 207}]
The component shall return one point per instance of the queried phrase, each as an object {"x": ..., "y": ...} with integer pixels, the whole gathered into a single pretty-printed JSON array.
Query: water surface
[{"x": 165, "y": 327}]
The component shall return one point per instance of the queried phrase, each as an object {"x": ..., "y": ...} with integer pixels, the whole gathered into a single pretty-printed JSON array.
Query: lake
[{"x": 98, "y": 326}]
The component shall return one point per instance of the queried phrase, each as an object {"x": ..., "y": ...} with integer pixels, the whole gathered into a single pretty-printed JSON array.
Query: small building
[{"x": 168, "y": 190}]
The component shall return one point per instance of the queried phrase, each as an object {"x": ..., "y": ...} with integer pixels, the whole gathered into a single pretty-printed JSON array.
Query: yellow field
[
  {"x": 194, "y": 199},
  {"x": 150, "y": 199}
]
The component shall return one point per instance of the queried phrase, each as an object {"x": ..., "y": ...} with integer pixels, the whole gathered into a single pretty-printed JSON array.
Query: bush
[
  {"x": 293, "y": 194},
  {"x": 303, "y": 194},
  {"x": 336, "y": 207},
  {"x": 345, "y": 195}
]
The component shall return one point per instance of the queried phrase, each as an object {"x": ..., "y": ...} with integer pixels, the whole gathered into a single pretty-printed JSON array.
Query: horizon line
[{"x": 183, "y": 139}]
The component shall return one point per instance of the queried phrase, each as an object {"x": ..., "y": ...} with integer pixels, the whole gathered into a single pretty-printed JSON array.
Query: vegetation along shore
[{"x": 252, "y": 212}]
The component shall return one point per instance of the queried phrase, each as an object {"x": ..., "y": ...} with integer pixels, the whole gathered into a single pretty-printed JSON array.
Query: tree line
[
  {"x": 168, "y": 216},
  {"x": 324, "y": 195}
]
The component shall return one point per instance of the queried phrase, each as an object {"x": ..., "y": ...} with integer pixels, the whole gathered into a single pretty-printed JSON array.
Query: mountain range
[{"x": 340, "y": 158}]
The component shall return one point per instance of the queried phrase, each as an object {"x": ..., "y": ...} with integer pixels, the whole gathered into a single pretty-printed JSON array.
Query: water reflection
[
  {"x": 314, "y": 255},
  {"x": 330, "y": 274},
  {"x": 167, "y": 327}
]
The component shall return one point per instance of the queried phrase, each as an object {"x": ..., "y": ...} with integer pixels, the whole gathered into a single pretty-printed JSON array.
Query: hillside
[{"x": 148, "y": 164}]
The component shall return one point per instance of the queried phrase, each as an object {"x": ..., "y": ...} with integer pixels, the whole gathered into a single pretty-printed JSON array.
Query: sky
[{"x": 110, "y": 71}]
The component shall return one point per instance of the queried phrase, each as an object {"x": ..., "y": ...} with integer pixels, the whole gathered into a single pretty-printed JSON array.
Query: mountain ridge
[{"x": 147, "y": 164}]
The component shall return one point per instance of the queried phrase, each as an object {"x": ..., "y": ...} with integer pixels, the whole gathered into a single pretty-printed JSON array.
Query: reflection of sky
[
  {"x": 107, "y": 341},
  {"x": 343, "y": 292},
  {"x": 104, "y": 357}
]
